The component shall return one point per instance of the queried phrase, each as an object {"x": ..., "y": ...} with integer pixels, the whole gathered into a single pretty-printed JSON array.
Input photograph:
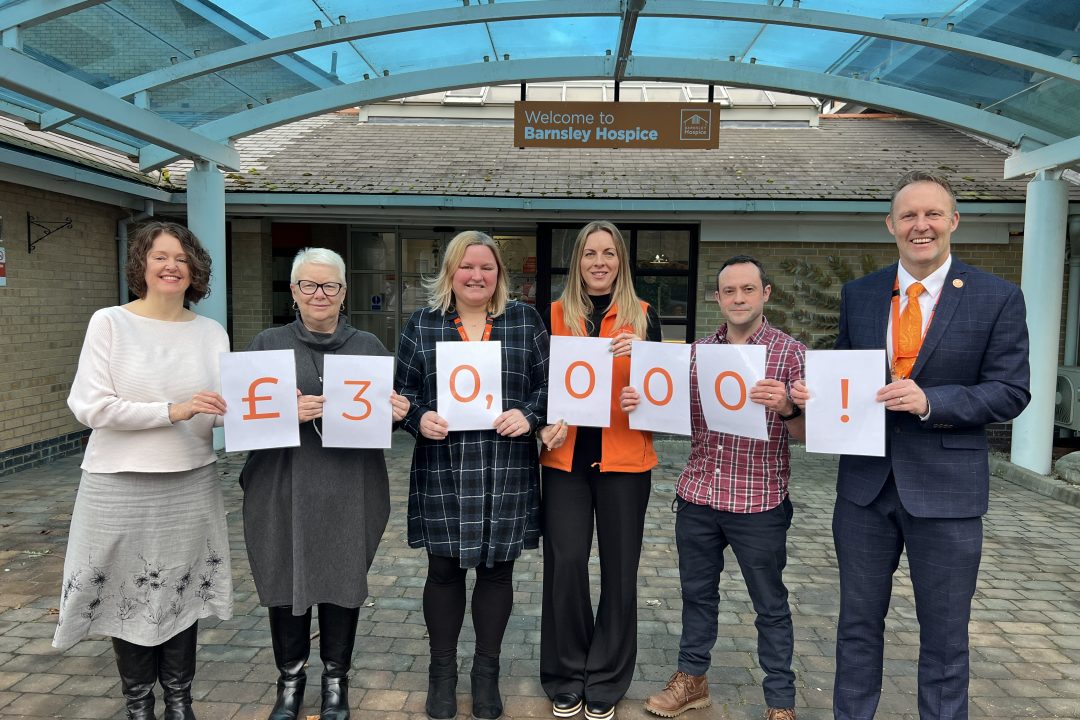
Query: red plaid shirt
[{"x": 740, "y": 474}]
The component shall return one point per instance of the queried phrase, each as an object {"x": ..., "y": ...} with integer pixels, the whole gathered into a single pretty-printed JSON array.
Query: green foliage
[{"x": 804, "y": 270}]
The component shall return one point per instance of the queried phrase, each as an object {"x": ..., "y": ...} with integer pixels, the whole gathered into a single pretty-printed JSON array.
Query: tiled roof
[
  {"x": 845, "y": 158},
  {"x": 15, "y": 133}
]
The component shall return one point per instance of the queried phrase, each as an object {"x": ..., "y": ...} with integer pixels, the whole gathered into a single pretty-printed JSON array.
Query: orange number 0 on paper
[
  {"x": 742, "y": 389},
  {"x": 453, "y": 383},
  {"x": 670, "y": 386},
  {"x": 592, "y": 379}
]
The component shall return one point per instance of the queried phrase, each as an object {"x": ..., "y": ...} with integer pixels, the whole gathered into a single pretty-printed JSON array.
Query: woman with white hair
[
  {"x": 313, "y": 515},
  {"x": 474, "y": 495}
]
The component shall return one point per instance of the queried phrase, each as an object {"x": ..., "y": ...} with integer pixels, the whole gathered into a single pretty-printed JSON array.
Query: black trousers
[
  {"x": 444, "y": 605},
  {"x": 593, "y": 657}
]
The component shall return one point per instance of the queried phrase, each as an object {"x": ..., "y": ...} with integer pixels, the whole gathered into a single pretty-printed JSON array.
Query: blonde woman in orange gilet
[{"x": 595, "y": 477}]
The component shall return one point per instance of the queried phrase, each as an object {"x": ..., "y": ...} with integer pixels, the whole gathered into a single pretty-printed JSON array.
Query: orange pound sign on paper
[
  {"x": 476, "y": 384},
  {"x": 592, "y": 379},
  {"x": 252, "y": 399},
  {"x": 670, "y": 386},
  {"x": 843, "y": 399},
  {"x": 364, "y": 385},
  {"x": 742, "y": 389}
]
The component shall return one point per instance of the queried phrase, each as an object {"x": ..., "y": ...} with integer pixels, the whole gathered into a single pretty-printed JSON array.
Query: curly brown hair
[{"x": 198, "y": 259}]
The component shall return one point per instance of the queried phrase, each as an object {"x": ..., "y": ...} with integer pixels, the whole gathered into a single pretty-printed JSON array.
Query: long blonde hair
[
  {"x": 441, "y": 288},
  {"x": 576, "y": 303}
]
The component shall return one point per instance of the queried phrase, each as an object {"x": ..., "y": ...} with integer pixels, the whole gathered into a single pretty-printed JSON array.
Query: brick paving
[{"x": 1025, "y": 630}]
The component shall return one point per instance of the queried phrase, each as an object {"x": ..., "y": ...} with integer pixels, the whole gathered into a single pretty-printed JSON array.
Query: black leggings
[{"x": 444, "y": 605}]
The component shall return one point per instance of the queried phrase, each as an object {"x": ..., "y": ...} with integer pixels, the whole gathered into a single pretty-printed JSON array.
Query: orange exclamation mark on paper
[{"x": 843, "y": 399}]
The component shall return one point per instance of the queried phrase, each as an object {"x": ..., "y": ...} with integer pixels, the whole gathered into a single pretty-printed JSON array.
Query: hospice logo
[{"x": 696, "y": 124}]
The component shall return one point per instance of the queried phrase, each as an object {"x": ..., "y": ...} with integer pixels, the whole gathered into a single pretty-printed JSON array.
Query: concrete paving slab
[{"x": 1025, "y": 631}]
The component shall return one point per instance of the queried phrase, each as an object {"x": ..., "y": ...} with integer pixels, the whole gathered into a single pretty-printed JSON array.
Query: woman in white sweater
[{"x": 148, "y": 551}]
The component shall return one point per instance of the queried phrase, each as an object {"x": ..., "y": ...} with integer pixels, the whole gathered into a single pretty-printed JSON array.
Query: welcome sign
[{"x": 616, "y": 125}]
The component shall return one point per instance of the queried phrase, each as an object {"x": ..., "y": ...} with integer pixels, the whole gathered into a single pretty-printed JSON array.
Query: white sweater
[{"x": 130, "y": 369}]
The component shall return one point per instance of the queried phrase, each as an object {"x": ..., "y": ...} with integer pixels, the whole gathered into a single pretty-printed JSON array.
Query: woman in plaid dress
[{"x": 474, "y": 496}]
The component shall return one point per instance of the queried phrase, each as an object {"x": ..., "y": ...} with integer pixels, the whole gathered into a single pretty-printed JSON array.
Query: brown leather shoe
[
  {"x": 683, "y": 692},
  {"x": 780, "y": 713}
]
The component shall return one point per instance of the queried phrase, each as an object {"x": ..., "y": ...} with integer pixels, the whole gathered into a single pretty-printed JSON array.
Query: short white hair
[{"x": 317, "y": 256}]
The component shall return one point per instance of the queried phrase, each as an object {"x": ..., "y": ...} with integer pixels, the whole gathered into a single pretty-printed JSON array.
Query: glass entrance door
[{"x": 663, "y": 259}]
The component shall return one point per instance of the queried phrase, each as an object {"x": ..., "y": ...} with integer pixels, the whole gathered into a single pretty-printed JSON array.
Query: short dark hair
[
  {"x": 739, "y": 260},
  {"x": 917, "y": 176},
  {"x": 198, "y": 259}
]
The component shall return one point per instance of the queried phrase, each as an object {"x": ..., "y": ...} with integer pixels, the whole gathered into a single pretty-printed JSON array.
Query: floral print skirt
[{"x": 147, "y": 556}]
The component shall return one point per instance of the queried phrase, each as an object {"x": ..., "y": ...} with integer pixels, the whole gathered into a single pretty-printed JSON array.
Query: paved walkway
[{"x": 1025, "y": 631}]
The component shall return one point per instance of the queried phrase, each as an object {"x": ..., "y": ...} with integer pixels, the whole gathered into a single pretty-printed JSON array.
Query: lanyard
[
  {"x": 896, "y": 320},
  {"x": 465, "y": 336}
]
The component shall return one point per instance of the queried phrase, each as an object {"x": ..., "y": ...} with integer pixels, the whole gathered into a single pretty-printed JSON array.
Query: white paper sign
[
  {"x": 842, "y": 415},
  {"x": 357, "y": 411},
  {"x": 259, "y": 388},
  {"x": 725, "y": 374},
  {"x": 579, "y": 381},
  {"x": 661, "y": 374},
  {"x": 469, "y": 382}
]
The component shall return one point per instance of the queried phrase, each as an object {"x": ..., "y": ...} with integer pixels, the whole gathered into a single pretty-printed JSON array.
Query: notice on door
[{"x": 616, "y": 125}]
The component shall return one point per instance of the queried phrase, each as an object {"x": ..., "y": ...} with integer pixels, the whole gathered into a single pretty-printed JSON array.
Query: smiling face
[
  {"x": 167, "y": 271},
  {"x": 599, "y": 263},
  {"x": 475, "y": 279},
  {"x": 741, "y": 297},
  {"x": 319, "y": 312},
  {"x": 922, "y": 220}
]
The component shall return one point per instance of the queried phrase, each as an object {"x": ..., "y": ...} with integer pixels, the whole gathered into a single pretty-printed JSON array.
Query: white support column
[
  {"x": 1042, "y": 279},
  {"x": 206, "y": 218}
]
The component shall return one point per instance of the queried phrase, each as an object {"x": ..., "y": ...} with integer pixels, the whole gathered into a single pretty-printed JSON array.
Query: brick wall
[
  {"x": 250, "y": 267},
  {"x": 48, "y": 300},
  {"x": 1002, "y": 260},
  {"x": 813, "y": 260}
]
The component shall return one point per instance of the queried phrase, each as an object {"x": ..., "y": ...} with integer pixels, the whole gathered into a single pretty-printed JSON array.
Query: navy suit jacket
[{"x": 973, "y": 367}]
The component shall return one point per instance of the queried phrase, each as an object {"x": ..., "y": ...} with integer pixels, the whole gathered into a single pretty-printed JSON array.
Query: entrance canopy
[{"x": 165, "y": 79}]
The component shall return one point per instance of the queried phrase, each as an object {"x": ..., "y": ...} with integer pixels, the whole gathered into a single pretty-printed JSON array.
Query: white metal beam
[
  {"x": 334, "y": 34},
  {"x": 386, "y": 88},
  {"x": 803, "y": 82},
  {"x": 889, "y": 29},
  {"x": 34, "y": 12},
  {"x": 1064, "y": 154},
  {"x": 35, "y": 80}
]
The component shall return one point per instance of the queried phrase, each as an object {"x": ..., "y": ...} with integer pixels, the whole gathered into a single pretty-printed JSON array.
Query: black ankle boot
[
  {"x": 337, "y": 633},
  {"x": 486, "y": 701},
  {"x": 176, "y": 670},
  {"x": 138, "y": 666},
  {"x": 442, "y": 687},
  {"x": 291, "y": 636}
]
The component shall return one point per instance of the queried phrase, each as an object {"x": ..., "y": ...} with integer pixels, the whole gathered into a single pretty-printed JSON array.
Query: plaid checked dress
[{"x": 475, "y": 495}]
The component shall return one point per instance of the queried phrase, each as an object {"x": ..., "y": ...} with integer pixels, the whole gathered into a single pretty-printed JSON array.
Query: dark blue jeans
[{"x": 759, "y": 541}]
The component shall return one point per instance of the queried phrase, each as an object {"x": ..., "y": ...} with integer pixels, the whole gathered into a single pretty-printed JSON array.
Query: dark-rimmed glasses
[{"x": 310, "y": 287}]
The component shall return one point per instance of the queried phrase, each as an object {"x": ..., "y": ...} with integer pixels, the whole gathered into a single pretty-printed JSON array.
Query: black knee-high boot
[
  {"x": 291, "y": 636},
  {"x": 486, "y": 700},
  {"x": 176, "y": 671},
  {"x": 337, "y": 634},
  {"x": 138, "y": 666}
]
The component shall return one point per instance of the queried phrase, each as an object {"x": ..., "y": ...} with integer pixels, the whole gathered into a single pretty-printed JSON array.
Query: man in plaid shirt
[{"x": 734, "y": 491}]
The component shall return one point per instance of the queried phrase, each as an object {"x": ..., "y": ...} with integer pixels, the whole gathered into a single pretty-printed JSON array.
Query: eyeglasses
[{"x": 309, "y": 287}]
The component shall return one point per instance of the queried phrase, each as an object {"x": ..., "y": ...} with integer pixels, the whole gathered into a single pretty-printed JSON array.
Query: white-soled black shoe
[
  {"x": 566, "y": 705},
  {"x": 595, "y": 710}
]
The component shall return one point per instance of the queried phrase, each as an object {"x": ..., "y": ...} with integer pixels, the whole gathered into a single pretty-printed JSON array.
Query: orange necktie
[{"x": 909, "y": 338}]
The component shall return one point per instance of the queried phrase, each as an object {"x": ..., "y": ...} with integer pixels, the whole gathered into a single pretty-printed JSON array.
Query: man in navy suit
[{"x": 930, "y": 491}]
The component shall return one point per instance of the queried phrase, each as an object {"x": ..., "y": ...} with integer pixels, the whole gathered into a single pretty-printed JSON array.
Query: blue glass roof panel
[{"x": 121, "y": 39}]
